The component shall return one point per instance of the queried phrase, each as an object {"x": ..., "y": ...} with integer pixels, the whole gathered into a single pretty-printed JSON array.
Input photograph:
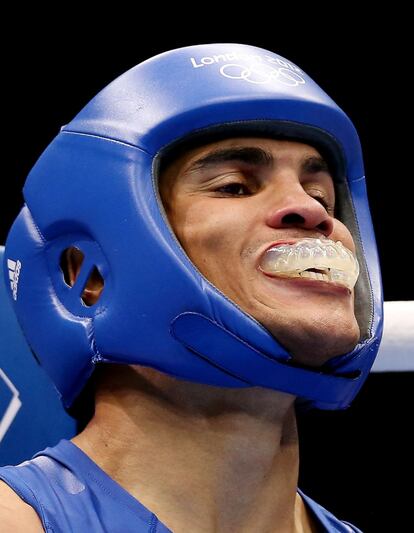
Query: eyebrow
[{"x": 254, "y": 156}]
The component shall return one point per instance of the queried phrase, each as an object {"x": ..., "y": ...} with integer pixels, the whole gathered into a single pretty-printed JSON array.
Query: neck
[{"x": 201, "y": 458}]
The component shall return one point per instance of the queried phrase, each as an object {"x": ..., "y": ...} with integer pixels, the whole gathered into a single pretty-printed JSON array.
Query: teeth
[
  {"x": 292, "y": 260},
  {"x": 314, "y": 275}
]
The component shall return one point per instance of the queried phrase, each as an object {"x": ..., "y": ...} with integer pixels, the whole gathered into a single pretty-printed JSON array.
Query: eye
[
  {"x": 321, "y": 200},
  {"x": 329, "y": 208},
  {"x": 233, "y": 189},
  {"x": 323, "y": 196}
]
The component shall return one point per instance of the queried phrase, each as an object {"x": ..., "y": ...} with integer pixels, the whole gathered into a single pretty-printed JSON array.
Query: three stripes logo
[{"x": 14, "y": 272}]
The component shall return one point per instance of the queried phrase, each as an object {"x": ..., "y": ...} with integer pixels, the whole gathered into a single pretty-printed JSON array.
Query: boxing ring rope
[{"x": 396, "y": 353}]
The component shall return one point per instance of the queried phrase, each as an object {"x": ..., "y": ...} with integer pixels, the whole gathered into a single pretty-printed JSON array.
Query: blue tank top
[{"x": 71, "y": 493}]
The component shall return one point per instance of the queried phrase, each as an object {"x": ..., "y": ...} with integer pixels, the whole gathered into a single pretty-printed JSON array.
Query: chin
[
  {"x": 314, "y": 342},
  {"x": 317, "y": 358},
  {"x": 315, "y": 353}
]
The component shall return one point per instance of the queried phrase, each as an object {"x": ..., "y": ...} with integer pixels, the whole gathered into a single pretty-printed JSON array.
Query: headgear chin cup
[{"x": 95, "y": 187}]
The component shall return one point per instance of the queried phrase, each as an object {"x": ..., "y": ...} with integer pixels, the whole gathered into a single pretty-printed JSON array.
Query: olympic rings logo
[{"x": 262, "y": 74}]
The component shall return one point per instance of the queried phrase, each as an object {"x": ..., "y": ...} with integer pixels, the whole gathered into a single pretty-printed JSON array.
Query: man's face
[{"x": 228, "y": 208}]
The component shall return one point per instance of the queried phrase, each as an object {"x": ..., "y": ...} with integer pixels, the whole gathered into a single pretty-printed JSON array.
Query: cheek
[
  {"x": 343, "y": 234},
  {"x": 209, "y": 232}
]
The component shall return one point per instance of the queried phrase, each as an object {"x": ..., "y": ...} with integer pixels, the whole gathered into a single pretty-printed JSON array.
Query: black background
[{"x": 354, "y": 462}]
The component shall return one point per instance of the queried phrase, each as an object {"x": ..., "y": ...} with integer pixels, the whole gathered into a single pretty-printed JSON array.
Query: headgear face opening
[{"x": 95, "y": 187}]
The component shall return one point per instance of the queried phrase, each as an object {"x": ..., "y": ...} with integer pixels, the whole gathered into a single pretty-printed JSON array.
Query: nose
[{"x": 299, "y": 210}]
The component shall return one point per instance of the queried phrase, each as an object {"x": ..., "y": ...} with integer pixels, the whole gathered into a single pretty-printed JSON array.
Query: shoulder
[{"x": 16, "y": 516}]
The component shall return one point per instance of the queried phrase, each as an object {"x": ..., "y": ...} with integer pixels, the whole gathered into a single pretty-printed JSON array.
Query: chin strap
[{"x": 223, "y": 349}]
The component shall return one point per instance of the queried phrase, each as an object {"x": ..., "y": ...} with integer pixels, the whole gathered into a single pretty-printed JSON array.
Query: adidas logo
[{"x": 14, "y": 272}]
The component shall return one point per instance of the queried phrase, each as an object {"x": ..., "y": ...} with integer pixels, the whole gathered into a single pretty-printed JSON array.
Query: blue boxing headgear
[{"x": 95, "y": 187}]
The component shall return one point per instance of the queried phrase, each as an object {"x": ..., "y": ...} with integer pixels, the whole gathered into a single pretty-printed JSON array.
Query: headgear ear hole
[
  {"x": 66, "y": 265},
  {"x": 90, "y": 294}
]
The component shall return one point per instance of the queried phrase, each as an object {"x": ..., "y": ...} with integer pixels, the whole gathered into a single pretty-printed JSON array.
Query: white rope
[{"x": 396, "y": 353}]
